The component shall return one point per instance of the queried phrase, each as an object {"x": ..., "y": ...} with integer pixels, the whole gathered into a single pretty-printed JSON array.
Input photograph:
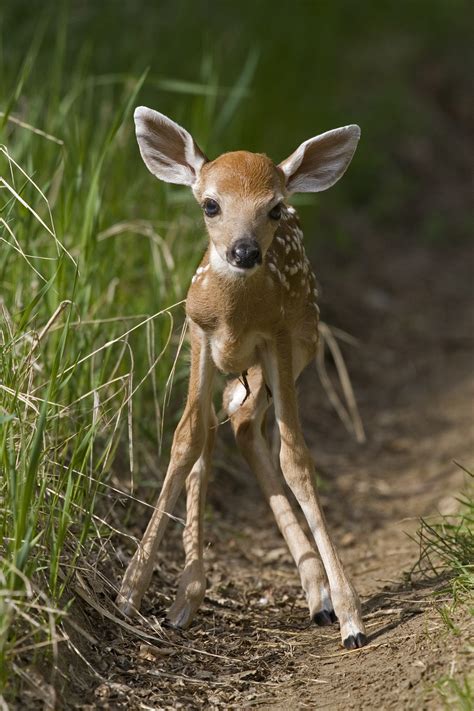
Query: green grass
[
  {"x": 92, "y": 311},
  {"x": 96, "y": 256},
  {"x": 447, "y": 552},
  {"x": 456, "y": 694},
  {"x": 447, "y": 547}
]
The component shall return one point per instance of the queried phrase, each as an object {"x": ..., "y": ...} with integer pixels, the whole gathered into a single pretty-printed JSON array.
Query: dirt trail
[{"x": 252, "y": 643}]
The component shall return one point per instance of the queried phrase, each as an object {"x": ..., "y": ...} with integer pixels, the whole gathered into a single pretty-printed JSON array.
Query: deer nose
[{"x": 245, "y": 253}]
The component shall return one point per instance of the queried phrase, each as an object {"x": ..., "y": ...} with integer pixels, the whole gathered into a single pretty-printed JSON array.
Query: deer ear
[
  {"x": 319, "y": 162},
  {"x": 168, "y": 150}
]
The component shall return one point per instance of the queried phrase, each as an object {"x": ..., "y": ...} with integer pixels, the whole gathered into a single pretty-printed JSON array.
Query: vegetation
[
  {"x": 90, "y": 331},
  {"x": 447, "y": 551},
  {"x": 456, "y": 695},
  {"x": 95, "y": 256},
  {"x": 447, "y": 547}
]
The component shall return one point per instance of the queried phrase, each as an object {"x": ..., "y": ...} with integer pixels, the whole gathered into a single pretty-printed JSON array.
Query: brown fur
[
  {"x": 231, "y": 309},
  {"x": 244, "y": 174}
]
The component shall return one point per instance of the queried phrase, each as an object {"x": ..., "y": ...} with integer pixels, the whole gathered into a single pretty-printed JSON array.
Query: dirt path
[{"x": 252, "y": 643}]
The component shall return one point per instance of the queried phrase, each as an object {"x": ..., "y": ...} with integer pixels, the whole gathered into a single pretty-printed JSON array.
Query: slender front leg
[
  {"x": 298, "y": 470},
  {"x": 192, "y": 584},
  {"x": 188, "y": 442}
]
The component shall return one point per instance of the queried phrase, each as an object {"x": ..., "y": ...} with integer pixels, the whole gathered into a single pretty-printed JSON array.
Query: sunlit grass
[
  {"x": 91, "y": 321},
  {"x": 455, "y": 694},
  {"x": 447, "y": 553},
  {"x": 447, "y": 546}
]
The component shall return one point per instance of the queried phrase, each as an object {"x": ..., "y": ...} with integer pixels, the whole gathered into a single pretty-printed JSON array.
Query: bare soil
[{"x": 252, "y": 644}]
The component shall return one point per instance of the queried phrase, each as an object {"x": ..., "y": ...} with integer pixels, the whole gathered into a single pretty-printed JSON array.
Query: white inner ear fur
[
  {"x": 168, "y": 150},
  {"x": 319, "y": 162}
]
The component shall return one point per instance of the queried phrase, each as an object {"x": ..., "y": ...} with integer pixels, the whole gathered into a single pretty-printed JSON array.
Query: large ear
[
  {"x": 319, "y": 162},
  {"x": 168, "y": 150}
]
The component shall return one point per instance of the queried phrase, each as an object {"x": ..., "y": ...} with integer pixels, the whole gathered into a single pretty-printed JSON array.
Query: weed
[
  {"x": 456, "y": 694},
  {"x": 447, "y": 551},
  {"x": 447, "y": 547}
]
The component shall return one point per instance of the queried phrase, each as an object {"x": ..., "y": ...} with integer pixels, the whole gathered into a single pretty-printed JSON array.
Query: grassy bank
[{"x": 92, "y": 315}]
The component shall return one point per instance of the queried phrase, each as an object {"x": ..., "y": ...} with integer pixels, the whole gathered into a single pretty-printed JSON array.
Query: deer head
[{"x": 241, "y": 193}]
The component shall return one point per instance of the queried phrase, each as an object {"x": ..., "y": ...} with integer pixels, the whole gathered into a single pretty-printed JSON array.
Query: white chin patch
[
  {"x": 242, "y": 272},
  {"x": 222, "y": 266}
]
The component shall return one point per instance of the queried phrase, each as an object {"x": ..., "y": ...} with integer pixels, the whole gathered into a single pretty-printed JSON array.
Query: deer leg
[
  {"x": 247, "y": 423},
  {"x": 298, "y": 470},
  {"x": 188, "y": 443},
  {"x": 192, "y": 584}
]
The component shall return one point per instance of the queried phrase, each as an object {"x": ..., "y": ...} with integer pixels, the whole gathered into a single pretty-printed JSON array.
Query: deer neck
[{"x": 233, "y": 303}]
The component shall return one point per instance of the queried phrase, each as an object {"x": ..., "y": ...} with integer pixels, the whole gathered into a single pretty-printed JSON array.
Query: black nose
[{"x": 245, "y": 253}]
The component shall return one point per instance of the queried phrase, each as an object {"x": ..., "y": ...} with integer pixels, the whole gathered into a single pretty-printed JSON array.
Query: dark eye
[
  {"x": 275, "y": 212},
  {"x": 211, "y": 208}
]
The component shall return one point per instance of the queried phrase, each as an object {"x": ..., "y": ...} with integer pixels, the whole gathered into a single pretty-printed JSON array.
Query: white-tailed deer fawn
[{"x": 252, "y": 312}]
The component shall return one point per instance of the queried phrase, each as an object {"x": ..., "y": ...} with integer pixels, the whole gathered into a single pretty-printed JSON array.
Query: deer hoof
[
  {"x": 355, "y": 641},
  {"x": 324, "y": 618},
  {"x": 126, "y": 606},
  {"x": 181, "y": 615}
]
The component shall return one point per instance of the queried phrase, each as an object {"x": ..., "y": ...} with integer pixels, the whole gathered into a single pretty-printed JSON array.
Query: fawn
[{"x": 252, "y": 312}]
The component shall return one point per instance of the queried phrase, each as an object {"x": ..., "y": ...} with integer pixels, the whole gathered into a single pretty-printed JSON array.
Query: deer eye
[
  {"x": 211, "y": 208},
  {"x": 275, "y": 212}
]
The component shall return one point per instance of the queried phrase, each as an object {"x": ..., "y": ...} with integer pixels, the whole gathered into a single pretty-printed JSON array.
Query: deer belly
[{"x": 234, "y": 356}]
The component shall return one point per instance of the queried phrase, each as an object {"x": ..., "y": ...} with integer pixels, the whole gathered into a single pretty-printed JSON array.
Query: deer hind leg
[
  {"x": 188, "y": 443},
  {"x": 298, "y": 470},
  {"x": 192, "y": 584},
  {"x": 248, "y": 426}
]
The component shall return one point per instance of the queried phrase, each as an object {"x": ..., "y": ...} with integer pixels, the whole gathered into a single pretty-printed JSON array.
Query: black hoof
[
  {"x": 355, "y": 641},
  {"x": 324, "y": 618}
]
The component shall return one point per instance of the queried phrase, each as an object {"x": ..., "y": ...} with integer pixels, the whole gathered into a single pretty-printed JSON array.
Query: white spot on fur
[{"x": 238, "y": 395}]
